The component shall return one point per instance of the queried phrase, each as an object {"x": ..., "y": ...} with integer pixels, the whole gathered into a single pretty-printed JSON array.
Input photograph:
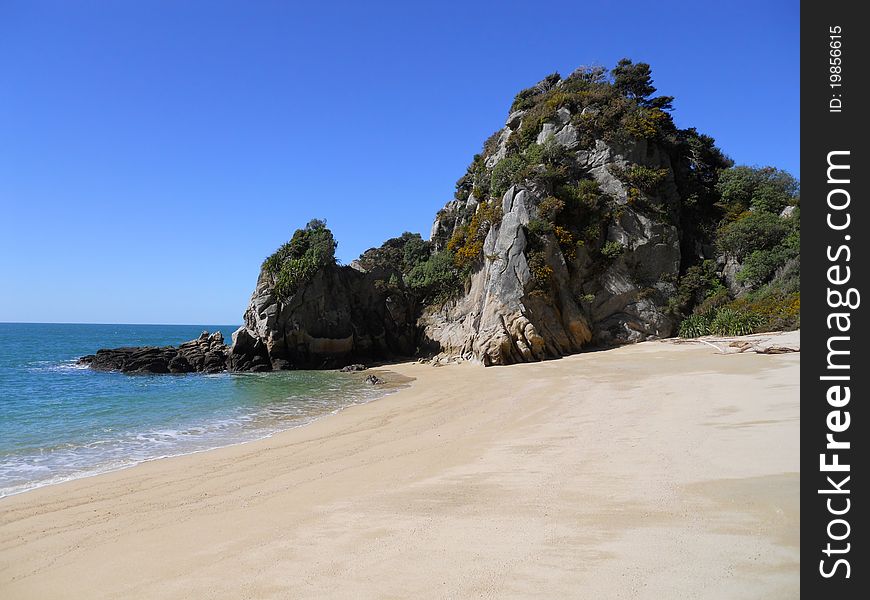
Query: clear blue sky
[{"x": 152, "y": 153}]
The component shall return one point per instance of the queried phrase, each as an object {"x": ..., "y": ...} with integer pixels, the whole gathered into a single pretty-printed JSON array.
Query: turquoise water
[{"x": 59, "y": 421}]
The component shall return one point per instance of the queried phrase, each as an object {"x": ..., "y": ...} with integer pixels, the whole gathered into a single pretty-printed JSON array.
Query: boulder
[{"x": 374, "y": 380}]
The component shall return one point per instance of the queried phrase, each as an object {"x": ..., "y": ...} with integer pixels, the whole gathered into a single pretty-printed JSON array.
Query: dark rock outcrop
[
  {"x": 340, "y": 317},
  {"x": 206, "y": 354}
]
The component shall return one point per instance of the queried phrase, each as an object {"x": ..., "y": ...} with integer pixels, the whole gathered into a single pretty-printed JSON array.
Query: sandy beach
[{"x": 657, "y": 470}]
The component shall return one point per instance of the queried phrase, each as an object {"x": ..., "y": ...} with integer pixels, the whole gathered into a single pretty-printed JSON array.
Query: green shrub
[
  {"x": 528, "y": 97},
  {"x": 646, "y": 179},
  {"x": 293, "y": 274},
  {"x": 755, "y": 231},
  {"x": 714, "y": 299},
  {"x": 648, "y": 123},
  {"x": 537, "y": 229},
  {"x": 763, "y": 189},
  {"x": 416, "y": 251},
  {"x": 723, "y": 321},
  {"x": 475, "y": 181},
  {"x": 584, "y": 195},
  {"x": 761, "y": 264},
  {"x": 542, "y": 273},
  {"x": 550, "y": 207},
  {"x": 591, "y": 233},
  {"x": 728, "y": 321},
  {"x": 612, "y": 249},
  {"x": 466, "y": 243},
  {"x": 777, "y": 310},
  {"x": 435, "y": 279},
  {"x": 399, "y": 254},
  {"x": 578, "y": 208},
  {"x": 698, "y": 283},
  {"x": 694, "y": 326},
  {"x": 296, "y": 261},
  {"x": 531, "y": 125},
  {"x": 505, "y": 173}
]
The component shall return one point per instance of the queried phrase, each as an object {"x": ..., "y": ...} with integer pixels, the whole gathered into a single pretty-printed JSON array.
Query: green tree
[
  {"x": 507, "y": 172},
  {"x": 633, "y": 79},
  {"x": 435, "y": 279},
  {"x": 296, "y": 261},
  {"x": 757, "y": 231},
  {"x": 400, "y": 254},
  {"x": 766, "y": 189},
  {"x": 590, "y": 74}
]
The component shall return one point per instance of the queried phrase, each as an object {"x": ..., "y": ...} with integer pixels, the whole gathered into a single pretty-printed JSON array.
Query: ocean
[{"x": 59, "y": 421}]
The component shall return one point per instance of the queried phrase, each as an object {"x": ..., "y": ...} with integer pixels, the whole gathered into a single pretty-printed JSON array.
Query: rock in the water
[
  {"x": 248, "y": 353},
  {"x": 374, "y": 380},
  {"x": 179, "y": 364},
  {"x": 206, "y": 354}
]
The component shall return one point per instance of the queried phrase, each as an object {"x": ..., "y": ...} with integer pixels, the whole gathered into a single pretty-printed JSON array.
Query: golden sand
[{"x": 649, "y": 471}]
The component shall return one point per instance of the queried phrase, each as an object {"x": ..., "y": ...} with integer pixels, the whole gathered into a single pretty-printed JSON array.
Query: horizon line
[{"x": 95, "y": 323}]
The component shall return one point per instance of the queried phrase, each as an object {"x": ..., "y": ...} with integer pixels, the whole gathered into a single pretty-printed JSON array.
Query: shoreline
[
  {"x": 392, "y": 384},
  {"x": 596, "y": 472}
]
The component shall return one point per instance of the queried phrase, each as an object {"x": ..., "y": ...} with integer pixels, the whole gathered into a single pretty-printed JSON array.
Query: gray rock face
[
  {"x": 341, "y": 316},
  {"x": 206, "y": 354},
  {"x": 560, "y": 130},
  {"x": 503, "y": 319},
  {"x": 730, "y": 269},
  {"x": 498, "y": 321}
]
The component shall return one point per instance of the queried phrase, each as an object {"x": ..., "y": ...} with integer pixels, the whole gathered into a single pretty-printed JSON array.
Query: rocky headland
[
  {"x": 588, "y": 219},
  {"x": 206, "y": 354}
]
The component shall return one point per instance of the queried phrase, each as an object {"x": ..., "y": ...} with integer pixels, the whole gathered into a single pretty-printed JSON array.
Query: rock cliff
[
  {"x": 574, "y": 226},
  {"x": 339, "y": 317},
  {"x": 507, "y": 316},
  {"x": 586, "y": 245},
  {"x": 588, "y": 219}
]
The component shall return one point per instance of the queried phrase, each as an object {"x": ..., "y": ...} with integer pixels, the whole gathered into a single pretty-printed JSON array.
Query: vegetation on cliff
[
  {"x": 615, "y": 108},
  {"x": 430, "y": 276},
  {"x": 295, "y": 262},
  {"x": 621, "y": 203},
  {"x": 736, "y": 212},
  {"x": 758, "y": 236}
]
